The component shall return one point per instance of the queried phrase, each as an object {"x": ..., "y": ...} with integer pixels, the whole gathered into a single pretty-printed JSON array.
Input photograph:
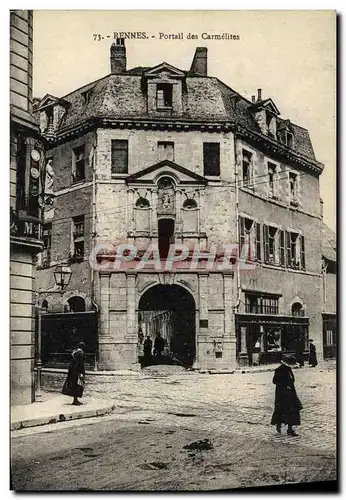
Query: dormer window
[
  {"x": 289, "y": 139},
  {"x": 271, "y": 125},
  {"x": 164, "y": 95},
  {"x": 50, "y": 120},
  {"x": 86, "y": 96}
]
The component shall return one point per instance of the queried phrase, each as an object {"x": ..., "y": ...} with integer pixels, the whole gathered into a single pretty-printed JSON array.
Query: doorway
[
  {"x": 166, "y": 233},
  {"x": 169, "y": 310}
]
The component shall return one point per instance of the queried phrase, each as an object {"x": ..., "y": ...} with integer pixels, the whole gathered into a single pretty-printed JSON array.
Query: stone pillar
[
  {"x": 131, "y": 306},
  {"x": 131, "y": 336},
  {"x": 178, "y": 220},
  {"x": 131, "y": 224},
  {"x": 154, "y": 213},
  {"x": 229, "y": 348},
  {"x": 105, "y": 340},
  {"x": 204, "y": 346},
  {"x": 201, "y": 204},
  {"x": 22, "y": 327}
]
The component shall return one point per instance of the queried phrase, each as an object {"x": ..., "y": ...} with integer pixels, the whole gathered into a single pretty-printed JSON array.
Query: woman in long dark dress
[
  {"x": 74, "y": 383},
  {"x": 287, "y": 404}
]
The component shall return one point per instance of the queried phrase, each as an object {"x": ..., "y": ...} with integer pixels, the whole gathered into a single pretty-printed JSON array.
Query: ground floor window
[
  {"x": 329, "y": 336},
  {"x": 263, "y": 339}
]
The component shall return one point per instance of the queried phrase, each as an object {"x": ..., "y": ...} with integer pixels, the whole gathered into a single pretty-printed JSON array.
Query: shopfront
[
  {"x": 329, "y": 336},
  {"x": 261, "y": 339}
]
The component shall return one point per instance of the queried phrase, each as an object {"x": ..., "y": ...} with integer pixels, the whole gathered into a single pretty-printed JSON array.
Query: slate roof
[
  {"x": 124, "y": 97},
  {"x": 328, "y": 242}
]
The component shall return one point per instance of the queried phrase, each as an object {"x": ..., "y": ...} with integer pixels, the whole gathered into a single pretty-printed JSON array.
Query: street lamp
[{"x": 62, "y": 276}]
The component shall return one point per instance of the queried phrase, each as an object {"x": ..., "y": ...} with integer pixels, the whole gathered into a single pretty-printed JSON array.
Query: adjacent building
[
  {"x": 160, "y": 155},
  {"x": 26, "y": 185},
  {"x": 329, "y": 267}
]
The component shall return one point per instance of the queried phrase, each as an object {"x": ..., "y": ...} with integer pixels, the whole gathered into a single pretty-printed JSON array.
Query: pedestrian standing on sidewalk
[
  {"x": 312, "y": 354},
  {"x": 287, "y": 404},
  {"x": 74, "y": 383}
]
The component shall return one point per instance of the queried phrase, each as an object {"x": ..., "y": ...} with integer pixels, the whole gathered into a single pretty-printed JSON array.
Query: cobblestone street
[{"x": 141, "y": 445}]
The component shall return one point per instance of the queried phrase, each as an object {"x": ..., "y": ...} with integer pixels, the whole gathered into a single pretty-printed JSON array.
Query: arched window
[
  {"x": 297, "y": 309},
  {"x": 44, "y": 305},
  {"x": 77, "y": 304},
  {"x": 142, "y": 203},
  {"x": 190, "y": 204}
]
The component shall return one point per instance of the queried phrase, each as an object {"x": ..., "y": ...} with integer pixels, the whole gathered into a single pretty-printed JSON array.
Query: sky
[{"x": 290, "y": 55}]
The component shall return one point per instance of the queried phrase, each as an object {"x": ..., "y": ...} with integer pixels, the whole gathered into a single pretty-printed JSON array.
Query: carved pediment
[
  {"x": 268, "y": 105},
  {"x": 50, "y": 100},
  {"x": 180, "y": 174},
  {"x": 286, "y": 125},
  {"x": 164, "y": 71}
]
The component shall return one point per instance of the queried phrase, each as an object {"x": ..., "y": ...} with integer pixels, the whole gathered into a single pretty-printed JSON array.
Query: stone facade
[
  {"x": 27, "y": 163},
  {"x": 222, "y": 172}
]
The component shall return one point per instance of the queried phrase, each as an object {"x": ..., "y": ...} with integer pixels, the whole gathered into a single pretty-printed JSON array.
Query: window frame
[
  {"x": 293, "y": 197},
  {"x": 266, "y": 303},
  {"x": 78, "y": 237},
  {"x": 78, "y": 158},
  {"x": 164, "y": 144},
  {"x": 247, "y": 159},
  {"x": 271, "y": 165},
  {"x": 166, "y": 101},
  {"x": 125, "y": 151},
  {"x": 254, "y": 236},
  {"x": 209, "y": 162},
  {"x": 299, "y": 263}
]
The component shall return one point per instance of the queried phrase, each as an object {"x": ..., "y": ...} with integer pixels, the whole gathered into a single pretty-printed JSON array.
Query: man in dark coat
[
  {"x": 312, "y": 354},
  {"x": 159, "y": 345},
  {"x": 287, "y": 403},
  {"x": 148, "y": 344},
  {"x": 74, "y": 383}
]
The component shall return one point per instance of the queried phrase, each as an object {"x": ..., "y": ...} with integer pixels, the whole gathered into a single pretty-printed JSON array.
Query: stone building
[
  {"x": 329, "y": 267},
  {"x": 159, "y": 155},
  {"x": 26, "y": 171}
]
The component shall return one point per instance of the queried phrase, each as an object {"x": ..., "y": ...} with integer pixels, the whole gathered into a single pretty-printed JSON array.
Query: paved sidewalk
[{"x": 56, "y": 408}]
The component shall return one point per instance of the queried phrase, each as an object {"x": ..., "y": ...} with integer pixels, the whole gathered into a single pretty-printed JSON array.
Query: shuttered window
[
  {"x": 119, "y": 156},
  {"x": 266, "y": 243},
  {"x": 241, "y": 233},
  {"x": 258, "y": 241},
  {"x": 302, "y": 252},
  {"x": 288, "y": 247},
  {"x": 282, "y": 248}
]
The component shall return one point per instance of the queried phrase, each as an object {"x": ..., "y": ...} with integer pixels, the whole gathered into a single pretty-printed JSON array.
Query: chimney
[
  {"x": 118, "y": 57},
  {"x": 259, "y": 95},
  {"x": 253, "y": 99},
  {"x": 199, "y": 64}
]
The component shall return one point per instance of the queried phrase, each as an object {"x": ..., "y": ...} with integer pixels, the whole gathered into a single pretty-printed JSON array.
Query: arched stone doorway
[{"x": 169, "y": 310}]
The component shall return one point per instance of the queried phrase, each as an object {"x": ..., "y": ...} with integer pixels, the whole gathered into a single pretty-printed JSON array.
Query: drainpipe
[
  {"x": 236, "y": 173},
  {"x": 93, "y": 225}
]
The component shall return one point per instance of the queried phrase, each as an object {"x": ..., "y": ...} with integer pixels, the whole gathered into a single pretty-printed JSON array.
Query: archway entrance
[{"x": 168, "y": 310}]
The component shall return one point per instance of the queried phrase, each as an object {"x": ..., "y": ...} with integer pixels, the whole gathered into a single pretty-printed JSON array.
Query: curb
[{"x": 62, "y": 417}]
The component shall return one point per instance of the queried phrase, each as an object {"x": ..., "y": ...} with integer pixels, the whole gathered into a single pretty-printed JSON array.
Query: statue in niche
[
  {"x": 49, "y": 179},
  {"x": 48, "y": 183},
  {"x": 166, "y": 196},
  {"x": 166, "y": 201}
]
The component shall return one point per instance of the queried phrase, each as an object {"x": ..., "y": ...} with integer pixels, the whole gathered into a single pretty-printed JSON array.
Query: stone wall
[
  {"x": 213, "y": 294},
  {"x": 22, "y": 326}
]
